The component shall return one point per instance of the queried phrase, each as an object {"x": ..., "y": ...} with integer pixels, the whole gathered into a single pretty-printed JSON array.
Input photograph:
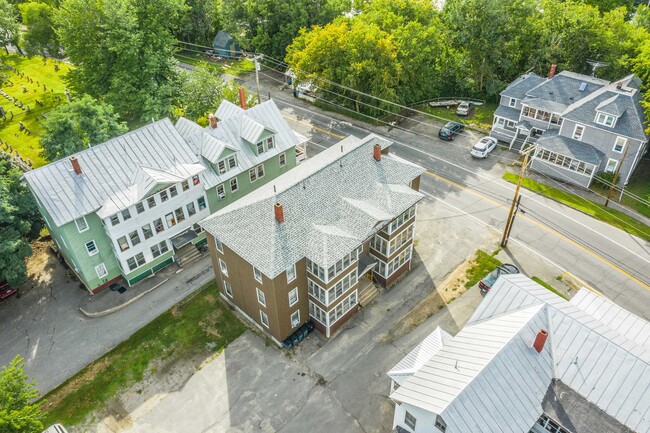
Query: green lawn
[
  {"x": 235, "y": 68},
  {"x": 611, "y": 216},
  {"x": 639, "y": 185},
  {"x": 482, "y": 117},
  {"x": 205, "y": 325},
  {"x": 28, "y": 145},
  {"x": 482, "y": 264},
  {"x": 548, "y": 286}
]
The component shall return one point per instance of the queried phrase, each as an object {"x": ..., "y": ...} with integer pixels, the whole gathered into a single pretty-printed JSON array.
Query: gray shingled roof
[
  {"x": 108, "y": 170},
  {"x": 518, "y": 88},
  {"x": 332, "y": 203},
  {"x": 610, "y": 100},
  {"x": 508, "y": 112},
  {"x": 569, "y": 147},
  {"x": 563, "y": 90}
]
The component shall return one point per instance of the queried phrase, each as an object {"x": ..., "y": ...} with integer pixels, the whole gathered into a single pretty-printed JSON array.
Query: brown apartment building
[{"x": 311, "y": 243}]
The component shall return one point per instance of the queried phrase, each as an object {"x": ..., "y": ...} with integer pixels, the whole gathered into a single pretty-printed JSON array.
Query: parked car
[
  {"x": 450, "y": 130},
  {"x": 465, "y": 108},
  {"x": 6, "y": 290},
  {"x": 483, "y": 147},
  {"x": 56, "y": 428},
  {"x": 505, "y": 269}
]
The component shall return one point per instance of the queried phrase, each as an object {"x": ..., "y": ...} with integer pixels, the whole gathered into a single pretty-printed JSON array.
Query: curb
[{"x": 119, "y": 307}]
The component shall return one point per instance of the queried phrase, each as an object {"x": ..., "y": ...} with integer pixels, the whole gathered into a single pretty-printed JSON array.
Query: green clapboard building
[{"x": 124, "y": 209}]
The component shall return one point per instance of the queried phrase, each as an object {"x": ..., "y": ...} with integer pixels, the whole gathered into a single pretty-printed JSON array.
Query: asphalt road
[{"x": 595, "y": 254}]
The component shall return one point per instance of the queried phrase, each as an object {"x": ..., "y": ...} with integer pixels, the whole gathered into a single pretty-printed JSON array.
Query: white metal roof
[
  {"x": 487, "y": 378},
  {"x": 420, "y": 354}
]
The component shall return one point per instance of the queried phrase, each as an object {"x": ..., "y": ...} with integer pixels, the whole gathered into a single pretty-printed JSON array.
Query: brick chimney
[
  {"x": 376, "y": 152},
  {"x": 279, "y": 213},
  {"x": 75, "y": 165},
  {"x": 540, "y": 340},
  {"x": 213, "y": 121},
  {"x": 552, "y": 71},
  {"x": 242, "y": 97},
  {"x": 619, "y": 85}
]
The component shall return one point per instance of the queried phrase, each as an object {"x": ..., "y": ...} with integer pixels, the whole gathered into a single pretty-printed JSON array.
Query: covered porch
[{"x": 366, "y": 286}]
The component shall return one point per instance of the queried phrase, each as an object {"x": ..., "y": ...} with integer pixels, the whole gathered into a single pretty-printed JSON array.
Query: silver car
[
  {"x": 465, "y": 108},
  {"x": 483, "y": 147}
]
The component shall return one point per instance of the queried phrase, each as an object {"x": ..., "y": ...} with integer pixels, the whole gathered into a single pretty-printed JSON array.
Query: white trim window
[
  {"x": 159, "y": 249},
  {"x": 223, "y": 267},
  {"x": 139, "y": 207},
  {"x": 123, "y": 244},
  {"x": 258, "y": 275},
  {"x": 283, "y": 159},
  {"x": 135, "y": 237},
  {"x": 136, "y": 261},
  {"x": 91, "y": 247},
  {"x": 399, "y": 221},
  {"x": 291, "y": 273},
  {"x": 605, "y": 119},
  {"x": 380, "y": 245},
  {"x": 398, "y": 261},
  {"x": 225, "y": 164},
  {"x": 256, "y": 173},
  {"x": 126, "y": 214},
  {"x": 227, "y": 287},
  {"x": 101, "y": 270},
  {"x": 115, "y": 220},
  {"x": 619, "y": 145},
  {"x": 410, "y": 420},
  {"x": 578, "y": 131},
  {"x": 264, "y": 318},
  {"x": 219, "y": 245},
  {"x": 151, "y": 202},
  {"x": 342, "y": 308},
  {"x": 295, "y": 319},
  {"x": 342, "y": 286},
  {"x": 221, "y": 191},
  {"x": 82, "y": 224},
  {"x": 318, "y": 271},
  {"x": 317, "y": 313},
  {"x": 261, "y": 297},
  {"x": 234, "y": 185},
  {"x": 293, "y": 297},
  {"x": 316, "y": 291},
  {"x": 512, "y": 103},
  {"x": 611, "y": 165}
]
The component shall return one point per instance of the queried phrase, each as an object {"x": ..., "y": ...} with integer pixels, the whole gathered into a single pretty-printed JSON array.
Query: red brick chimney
[
  {"x": 279, "y": 213},
  {"x": 75, "y": 165},
  {"x": 540, "y": 340},
  {"x": 552, "y": 71},
  {"x": 242, "y": 97},
  {"x": 376, "y": 152},
  {"x": 213, "y": 121}
]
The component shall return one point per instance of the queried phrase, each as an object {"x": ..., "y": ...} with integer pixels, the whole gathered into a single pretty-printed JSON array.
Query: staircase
[
  {"x": 367, "y": 294},
  {"x": 518, "y": 144},
  {"x": 187, "y": 255}
]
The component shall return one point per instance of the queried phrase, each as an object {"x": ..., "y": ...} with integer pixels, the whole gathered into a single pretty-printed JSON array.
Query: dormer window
[
  {"x": 226, "y": 164},
  {"x": 260, "y": 147},
  {"x": 265, "y": 145},
  {"x": 269, "y": 143},
  {"x": 512, "y": 102},
  {"x": 605, "y": 119}
]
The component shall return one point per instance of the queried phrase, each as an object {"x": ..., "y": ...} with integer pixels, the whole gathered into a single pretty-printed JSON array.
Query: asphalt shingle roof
[
  {"x": 332, "y": 203},
  {"x": 569, "y": 147},
  {"x": 508, "y": 112},
  {"x": 564, "y": 89},
  {"x": 518, "y": 88}
]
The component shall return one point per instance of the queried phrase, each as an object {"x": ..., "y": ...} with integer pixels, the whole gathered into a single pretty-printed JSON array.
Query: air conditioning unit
[{"x": 221, "y": 195}]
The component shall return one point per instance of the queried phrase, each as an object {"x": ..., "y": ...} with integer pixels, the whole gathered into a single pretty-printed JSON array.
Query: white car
[{"x": 483, "y": 147}]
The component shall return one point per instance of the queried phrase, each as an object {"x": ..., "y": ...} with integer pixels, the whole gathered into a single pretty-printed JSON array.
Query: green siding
[{"x": 149, "y": 268}]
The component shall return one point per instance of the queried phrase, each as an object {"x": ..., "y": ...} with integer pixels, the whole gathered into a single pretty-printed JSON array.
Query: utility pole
[
  {"x": 257, "y": 76},
  {"x": 618, "y": 169},
  {"x": 516, "y": 199}
]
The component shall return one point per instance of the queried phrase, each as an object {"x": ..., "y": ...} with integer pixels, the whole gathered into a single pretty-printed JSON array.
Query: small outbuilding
[{"x": 225, "y": 46}]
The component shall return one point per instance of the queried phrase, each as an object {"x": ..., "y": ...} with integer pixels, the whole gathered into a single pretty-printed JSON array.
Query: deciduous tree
[
  {"x": 9, "y": 26},
  {"x": 78, "y": 125},
  {"x": 40, "y": 37},
  {"x": 18, "y": 413}
]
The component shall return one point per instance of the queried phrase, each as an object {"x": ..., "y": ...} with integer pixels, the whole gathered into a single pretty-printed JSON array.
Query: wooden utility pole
[
  {"x": 515, "y": 199},
  {"x": 618, "y": 169}
]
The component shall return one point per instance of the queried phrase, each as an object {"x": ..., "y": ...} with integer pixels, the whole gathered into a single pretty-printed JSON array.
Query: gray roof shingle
[
  {"x": 518, "y": 88},
  {"x": 569, "y": 147},
  {"x": 563, "y": 90},
  {"x": 332, "y": 203}
]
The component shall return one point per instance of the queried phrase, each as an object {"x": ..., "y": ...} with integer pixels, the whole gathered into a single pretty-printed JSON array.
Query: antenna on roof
[{"x": 595, "y": 64}]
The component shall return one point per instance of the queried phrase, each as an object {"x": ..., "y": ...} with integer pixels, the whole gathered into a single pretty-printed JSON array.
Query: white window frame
[
  {"x": 292, "y": 269},
  {"x": 139, "y": 205},
  {"x": 264, "y": 318},
  {"x": 616, "y": 143},
  {"x": 293, "y": 293},
  {"x": 512, "y": 102},
  {"x": 236, "y": 184},
  {"x": 97, "y": 269},
  {"x": 582, "y": 132},
  {"x": 224, "y": 267},
  {"x": 221, "y": 191},
  {"x": 227, "y": 288},
  {"x": 261, "y": 297},
  {"x": 295, "y": 322},
  {"x": 410, "y": 420},
  {"x": 126, "y": 214},
  {"x": 283, "y": 159},
  {"x": 219, "y": 245},
  {"x": 92, "y": 241},
  {"x": 80, "y": 230},
  {"x": 601, "y": 119},
  {"x": 258, "y": 275},
  {"x": 615, "y": 165}
]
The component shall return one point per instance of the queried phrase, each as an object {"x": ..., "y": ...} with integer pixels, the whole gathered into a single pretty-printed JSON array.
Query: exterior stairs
[
  {"x": 367, "y": 294},
  {"x": 518, "y": 144},
  {"x": 188, "y": 255}
]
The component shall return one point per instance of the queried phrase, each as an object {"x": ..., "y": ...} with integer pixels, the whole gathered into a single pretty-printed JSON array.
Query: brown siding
[
  {"x": 281, "y": 289},
  {"x": 343, "y": 319},
  {"x": 415, "y": 183},
  {"x": 387, "y": 282}
]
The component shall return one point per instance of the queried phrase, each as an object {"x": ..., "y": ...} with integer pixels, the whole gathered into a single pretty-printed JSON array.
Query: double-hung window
[
  {"x": 223, "y": 267},
  {"x": 191, "y": 209},
  {"x": 135, "y": 237},
  {"x": 164, "y": 196},
  {"x": 158, "y": 225},
  {"x": 409, "y": 420},
  {"x": 81, "y": 223},
  {"x": 234, "y": 186},
  {"x": 261, "y": 298},
  {"x": 91, "y": 248},
  {"x": 185, "y": 185},
  {"x": 146, "y": 231},
  {"x": 126, "y": 214},
  {"x": 123, "y": 243},
  {"x": 619, "y": 145},
  {"x": 173, "y": 191},
  {"x": 256, "y": 172},
  {"x": 260, "y": 148},
  {"x": 221, "y": 192},
  {"x": 139, "y": 207},
  {"x": 283, "y": 159},
  {"x": 605, "y": 119},
  {"x": 151, "y": 202},
  {"x": 171, "y": 221},
  {"x": 180, "y": 216},
  {"x": 293, "y": 297},
  {"x": 115, "y": 220},
  {"x": 295, "y": 319},
  {"x": 291, "y": 273},
  {"x": 201, "y": 203},
  {"x": 264, "y": 318},
  {"x": 101, "y": 271},
  {"x": 578, "y": 131},
  {"x": 257, "y": 274}
]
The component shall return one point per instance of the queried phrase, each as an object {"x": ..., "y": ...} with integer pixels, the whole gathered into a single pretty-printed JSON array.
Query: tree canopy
[
  {"x": 9, "y": 26},
  {"x": 18, "y": 413},
  {"x": 78, "y": 125},
  {"x": 39, "y": 37},
  {"x": 123, "y": 52},
  {"x": 20, "y": 223}
]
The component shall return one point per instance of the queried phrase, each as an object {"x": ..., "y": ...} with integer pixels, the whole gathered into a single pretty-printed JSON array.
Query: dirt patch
[
  {"x": 452, "y": 287},
  {"x": 40, "y": 265}
]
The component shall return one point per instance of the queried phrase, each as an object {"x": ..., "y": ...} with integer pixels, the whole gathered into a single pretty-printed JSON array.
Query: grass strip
[
  {"x": 481, "y": 265},
  {"x": 610, "y": 216},
  {"x": 548, "y": 286},
  {"x": 203, "y": 326}
]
